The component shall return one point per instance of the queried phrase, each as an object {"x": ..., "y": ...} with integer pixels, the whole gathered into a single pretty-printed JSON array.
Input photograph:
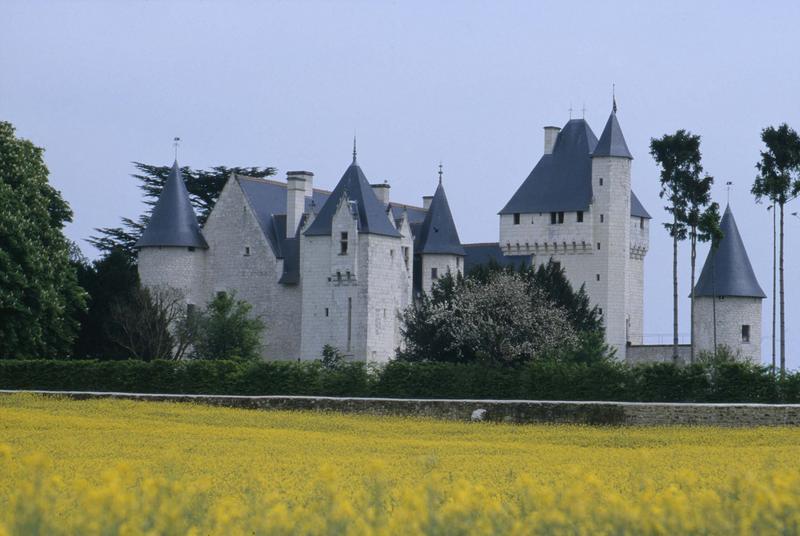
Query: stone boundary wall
[{"x": 509, "y": 411}]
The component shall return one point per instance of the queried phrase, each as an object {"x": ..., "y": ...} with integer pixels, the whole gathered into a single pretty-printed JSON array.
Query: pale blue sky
[{"x": 100, "y": 84}]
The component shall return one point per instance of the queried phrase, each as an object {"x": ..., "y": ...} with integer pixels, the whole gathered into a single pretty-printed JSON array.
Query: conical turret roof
[
  {"x": 372, "y": 217},
  {"x": 612, "y": 142},
  {"x": 727, "y": 271},
  {"x": 173, "y": 221},
  {"x": 438, "y": 232}
]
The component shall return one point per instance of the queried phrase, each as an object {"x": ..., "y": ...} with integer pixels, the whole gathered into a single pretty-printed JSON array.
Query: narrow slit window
[
  {"x": 598, "y": 246},
  {"x": 641, "y": 223},
  {"x": 746, "y": 333},
  {"x": 247, "y": 251},
  {"x": 602, "y": 218},
  {"x": 343, "y": 244},
  {"x": 601, "y": 181},
  {"x": 598, "y": 277}
]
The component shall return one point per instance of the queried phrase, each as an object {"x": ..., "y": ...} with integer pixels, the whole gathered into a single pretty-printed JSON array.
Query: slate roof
[
  {"x": 267, "y": 198},
  {"x": 612, "y": 142},
  {"x": 562, "y": 181},
  {"x": 173, "y": 221},
  {"x": 371, "y": 213},
  {"x": 727, "y": 271},
  {"x": 486, "y": 253},
  {"x": 438, "y": 233}
]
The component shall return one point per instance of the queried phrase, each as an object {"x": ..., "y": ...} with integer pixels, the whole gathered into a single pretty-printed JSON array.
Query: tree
[
  {"x": 678, "y": 155},
  {"x": 551, "y": 280},
  {"x": 204, "y": 188},
  {"x": 152, "y": 323},
  {"x": 701, "y": 219},
  {"x": 779, "y": 181},
  {"x": 40, "y": 298},
  {"x": 504, "y": 320},
  {"x": 226, "y": 330},
  {"x": 110, "y": 278}
]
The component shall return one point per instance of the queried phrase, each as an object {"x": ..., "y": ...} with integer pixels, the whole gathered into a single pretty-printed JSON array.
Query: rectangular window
[
  {"x": 343, "y": 244},
  {"x": 516, "y": 218},
  {"x": 641, "y": 223},
  {"x": 602, "y": 218},
  {"x": 580, "y": 216},
  {"x": 458, "y": 264},
  {"x": 553, "y": 218},
  {"x": 434, "y": 273},
  {"x": 391, "y": 253},
  {"x": 600, "y": 310},
  {"x": 190, "y": 248},
  {"x": 405, "y": 255},
  {"x": 560, "y": 217},
  {"x": 348, "y": 275},
  {"x": 247, "y": 251},
  {"x": 327, "y": 312},
  {"x": 598, "y": 277},
  {"x": 598, "y": 245},
  {"x": 746, "y": 333},
  {"x": 339, "y": 277},
  {"x": 601, "y": 181}
]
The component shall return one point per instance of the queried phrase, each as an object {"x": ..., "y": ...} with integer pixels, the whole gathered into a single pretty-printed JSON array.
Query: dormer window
[
  {"x": 556, "y": 217},
  {"x": 516, "y": 218},
  {"x": 580, "y": 216},
  {"x": 343, "y": 244}
]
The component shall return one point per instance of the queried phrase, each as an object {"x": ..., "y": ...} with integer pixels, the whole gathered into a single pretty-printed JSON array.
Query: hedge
[{"x": 734, "y": 382}]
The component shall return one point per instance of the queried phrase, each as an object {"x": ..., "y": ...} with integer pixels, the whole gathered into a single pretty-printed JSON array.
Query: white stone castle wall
[
  {"x": 389, "y": 287},
  {"x": 443, "y": 263},
  {"x": 536, "y": 235},
  {"x": 174, "y": 267},
  {"x": 231, "y": 228},
  {"x": 732, "y": 314},
  {"x": 379, "y": 289},
  {"x": 613, "y": 200}
]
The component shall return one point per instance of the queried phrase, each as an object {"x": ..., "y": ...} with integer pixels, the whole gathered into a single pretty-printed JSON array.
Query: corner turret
[
  {"x": 728, "y": 295},
  {"x": 171, "y": 250}
]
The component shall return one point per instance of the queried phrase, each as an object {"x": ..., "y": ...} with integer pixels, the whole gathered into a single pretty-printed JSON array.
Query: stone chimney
[
  {"x": 381, "y": 191},
  {"x": 296, "y": 184},
  {"x": 550, "y": 135},
  {"x": 426, "y": 201}
]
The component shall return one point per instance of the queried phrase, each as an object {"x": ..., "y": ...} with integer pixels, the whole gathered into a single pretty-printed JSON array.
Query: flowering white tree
[{"x": 502, "y": 320}]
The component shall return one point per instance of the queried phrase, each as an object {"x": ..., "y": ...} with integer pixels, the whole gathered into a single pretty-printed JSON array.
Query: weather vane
[
  {"x": 728, "y": 186},
  {"x": 440, "y": 172},
  {"x": 175, "y": 142}
]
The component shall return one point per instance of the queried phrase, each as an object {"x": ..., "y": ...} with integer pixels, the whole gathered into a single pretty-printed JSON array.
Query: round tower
[
  {"x": 611, "y": 219},
  {"x": 728, "y": 298},
  {"x": 438, "y": 249},
  {"x": 171, "y": 251}
]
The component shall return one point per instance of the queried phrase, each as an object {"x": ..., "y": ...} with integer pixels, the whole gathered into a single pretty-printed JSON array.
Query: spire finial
[
  {"x": 583, "y": 111},
  {"x": 175, "y": 142},
  {"x": 570, "y": 111},
  {"x": 440, "y": 172},
  {"x": 354, "y": 148},
  {"x": 728, "y": 186},
  {"x": 614, "y": 98}
]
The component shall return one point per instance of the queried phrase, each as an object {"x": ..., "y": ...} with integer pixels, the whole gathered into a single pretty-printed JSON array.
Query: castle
[{"x": 337, "y": 267}]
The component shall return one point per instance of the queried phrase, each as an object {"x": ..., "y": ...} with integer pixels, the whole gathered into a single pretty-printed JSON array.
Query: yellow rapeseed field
[{"x": 122, "y": 467}]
